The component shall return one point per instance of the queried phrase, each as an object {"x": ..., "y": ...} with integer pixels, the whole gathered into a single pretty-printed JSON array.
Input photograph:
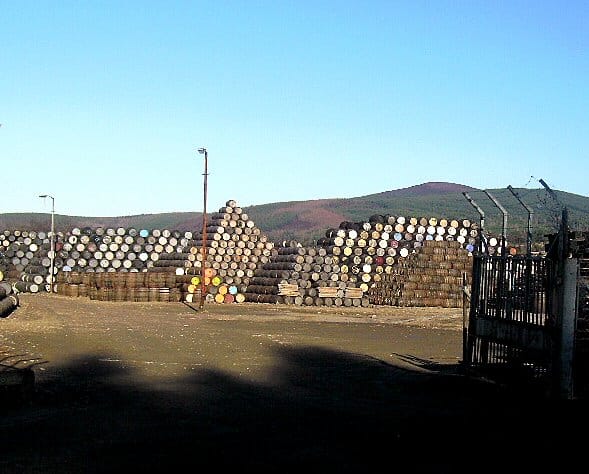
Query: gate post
[{"x": 567, "y": 318}]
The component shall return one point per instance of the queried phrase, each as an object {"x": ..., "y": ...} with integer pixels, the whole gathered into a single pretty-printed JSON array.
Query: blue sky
[{"x": 103, "y": 104}]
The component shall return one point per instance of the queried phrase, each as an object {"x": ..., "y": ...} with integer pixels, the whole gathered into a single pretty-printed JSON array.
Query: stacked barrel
[
  {"x": 374, "y": 261},
  {"x": 303, "y": 276},
  {"x": 8, "y": 299},
  {"x": 25, "y": 259},
  {"x": 384, "y": 260},
  {"x": 122, "y": 286},
  {"x": 380, "y": 253},
  {"x": 433, "y": 276},
  {"x": 24, "y": 255},
  {"x": 215, "y": 289},
  {"x": 121, "y": 249},
  {"x": 265, "y": 284},
  {"x": 233, "y": 249},
  {"x": 398, "y": 235}
]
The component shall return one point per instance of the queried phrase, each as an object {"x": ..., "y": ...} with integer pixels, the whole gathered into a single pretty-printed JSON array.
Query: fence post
[
  {"x": 466, "y": 298},
  {"x": 567, "y": 319}
]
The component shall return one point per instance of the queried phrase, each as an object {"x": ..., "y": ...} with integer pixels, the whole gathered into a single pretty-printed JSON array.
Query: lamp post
[
  {"x": 203, "y": 151},
  {"x": 52, "y": 242}
]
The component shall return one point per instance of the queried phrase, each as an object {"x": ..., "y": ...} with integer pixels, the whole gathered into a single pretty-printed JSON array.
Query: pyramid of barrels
[{"x": 232, "y": 250}]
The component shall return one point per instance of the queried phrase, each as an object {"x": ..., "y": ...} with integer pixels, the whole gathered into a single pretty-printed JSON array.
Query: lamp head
[
  {"x": 202, "y": 150},
  {"x": 42, "y": 195}
]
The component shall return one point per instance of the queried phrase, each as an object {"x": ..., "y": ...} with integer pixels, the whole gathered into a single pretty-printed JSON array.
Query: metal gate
[
  {"x": 522, "y": 323},
  {"x": 510, "y": 328}
]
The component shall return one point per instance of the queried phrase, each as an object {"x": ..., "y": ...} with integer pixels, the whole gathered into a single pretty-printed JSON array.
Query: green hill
[{"x": 307, "y": 221}]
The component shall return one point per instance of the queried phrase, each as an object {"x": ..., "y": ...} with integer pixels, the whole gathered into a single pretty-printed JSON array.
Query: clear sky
[{"x": 103, "y": 104}]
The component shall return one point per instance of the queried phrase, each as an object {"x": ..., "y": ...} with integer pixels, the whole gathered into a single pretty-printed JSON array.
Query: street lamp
[
  {"x": 203, "y": 151},
  {"x": 52, "y": 240}
]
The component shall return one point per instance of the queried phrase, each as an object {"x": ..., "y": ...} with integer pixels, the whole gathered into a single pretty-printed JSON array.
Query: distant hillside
[
  {"x": 34, "y": 221},
  {"x": 426, "y": 189},
  {"x": 307, "y": 221}
]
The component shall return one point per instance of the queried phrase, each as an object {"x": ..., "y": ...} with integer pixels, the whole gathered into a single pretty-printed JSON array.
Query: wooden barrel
[
  {"x": 119, "y": 293},
  {"x": 153, "y": 294},
  {"x": 130, "y": 294},
  {"x": 164, "y": 295},
  {"x": 141, "y": 294},
  {"x": 175, "y": 295},
  {"x": 8, "y": 304},
  {"x": 239, "y": 297}
]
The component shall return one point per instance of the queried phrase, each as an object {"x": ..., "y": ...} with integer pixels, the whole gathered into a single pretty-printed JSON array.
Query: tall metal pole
[
  {"x": 504, "y": 222},
  {"x": 481, "y": 221},
  {"x": 204, "y": 230},
  {"x": 550, "y": 191},
  {"x": 52, "y": 243},
  {"x": 530, "y": 213},
  {"x": 555, "y": 198}
]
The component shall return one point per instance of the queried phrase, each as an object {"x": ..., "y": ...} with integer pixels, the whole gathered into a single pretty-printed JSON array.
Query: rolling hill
[{"x": 307, "y": 221}]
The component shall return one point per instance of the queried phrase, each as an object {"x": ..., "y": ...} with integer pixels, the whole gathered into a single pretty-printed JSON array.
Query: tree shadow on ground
[{"x": 323, "y": 410}]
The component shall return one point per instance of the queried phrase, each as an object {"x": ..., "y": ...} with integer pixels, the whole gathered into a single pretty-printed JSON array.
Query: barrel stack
[
  {"x": 234, "y": 248},
  {"x": 118, "y": 249},
  {"x": 87, "y": 250},
  {"x": 379, "y": 254},
  {"x": 25, "y": 259},
  {"x": 432, "y": 277},
  {"x": 303, "y": 276},
  {"x": 385, "y": 259}
]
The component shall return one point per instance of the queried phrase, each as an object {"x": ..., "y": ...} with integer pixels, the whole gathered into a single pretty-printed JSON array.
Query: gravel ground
[{"x": 159, "y": 387}]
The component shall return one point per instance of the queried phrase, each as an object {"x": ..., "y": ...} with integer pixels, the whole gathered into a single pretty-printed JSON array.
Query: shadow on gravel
[{"x": 326, "y": 411}]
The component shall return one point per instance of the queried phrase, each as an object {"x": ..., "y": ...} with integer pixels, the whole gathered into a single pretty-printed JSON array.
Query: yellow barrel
[{"x": 216, "y": 280}]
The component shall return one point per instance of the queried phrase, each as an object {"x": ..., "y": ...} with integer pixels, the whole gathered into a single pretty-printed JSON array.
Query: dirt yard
[{"x": 159, "y": 387}]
